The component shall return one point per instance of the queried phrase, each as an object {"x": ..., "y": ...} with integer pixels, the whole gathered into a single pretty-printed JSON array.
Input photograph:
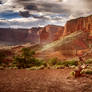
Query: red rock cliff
[
  {"x": 50, "y": 33},
  {"x": 19, "y": 36},
  {"x": 83, "y": 23}
]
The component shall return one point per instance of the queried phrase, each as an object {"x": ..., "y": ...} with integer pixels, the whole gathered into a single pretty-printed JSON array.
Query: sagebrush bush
[
  {"x": 72, "y": 73},
  {"x": 37, "y": 68},
  {"x": 2, "y": 56},
  {"x": 70, "y": 63},
  {"x": 26, "y": 59},
  {"x": 87, "y": 71},
  {"x": 21, "y": 62},
  {"x": 27, "y": 53},
  {"x": 89, "y": 61},
  {"x": 55, "y": 61}
]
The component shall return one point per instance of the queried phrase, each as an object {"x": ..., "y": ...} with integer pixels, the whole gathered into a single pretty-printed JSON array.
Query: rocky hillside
[
  {"x": 18, "y": 36},
  {"x": 50, "y": 33},
  {"x": 76, "y": 39},
  {"x": 39, "y": 35},
  {"x": 83, "y": 23}
]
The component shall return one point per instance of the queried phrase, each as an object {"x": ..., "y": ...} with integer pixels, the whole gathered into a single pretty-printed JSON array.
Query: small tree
[
  {"x": 27, "y": 53},
  {"x": 2, "y": 57},
  {"x": 26, "y": 59}
]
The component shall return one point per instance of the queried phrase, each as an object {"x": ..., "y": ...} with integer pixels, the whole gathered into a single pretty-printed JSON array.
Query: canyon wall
[
  {"x": 47, "y": 34},
  {"x": 83, "y": 23},
  {"x": 50, "y": 33},
  {"x": 38, "y": 35},
  {"x": 19, "y": 36}
]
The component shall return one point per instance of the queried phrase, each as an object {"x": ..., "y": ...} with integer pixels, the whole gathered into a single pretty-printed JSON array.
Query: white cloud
[
  {"x": 23, "y": 19},
  {"x": 45, "y": 12},
  {"x": 78, "y": 7},
  {"x": 30, "y": 22}
]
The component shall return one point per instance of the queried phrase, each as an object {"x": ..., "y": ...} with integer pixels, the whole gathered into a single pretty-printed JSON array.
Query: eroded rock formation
[
  {"x": 19, "y": 36},
  {"x": 83, "y": 23},
  {"x": 50, "y": 33},
  {"x": 39, "y": 35}
]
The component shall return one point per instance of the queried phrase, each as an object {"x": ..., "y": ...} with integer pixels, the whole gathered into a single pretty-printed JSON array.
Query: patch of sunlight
[{"x": 62, "y": 41}]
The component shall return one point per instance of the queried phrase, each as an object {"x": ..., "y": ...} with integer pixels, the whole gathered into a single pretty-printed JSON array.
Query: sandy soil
[{"x": 43, "y": 81}]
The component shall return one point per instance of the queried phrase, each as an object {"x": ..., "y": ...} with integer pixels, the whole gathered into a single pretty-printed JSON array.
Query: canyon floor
[{"x": 47, "y": 80}]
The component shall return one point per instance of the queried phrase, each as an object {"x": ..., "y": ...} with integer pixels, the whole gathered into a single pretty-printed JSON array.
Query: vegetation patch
[
  {"x": 37, "y": 67},
  {"x": 27, "y": 59},
  {"x": 87, "y": 71},
  {"x": 55, "y": 61},
  {"x": 89, "y": 61},
  {"x": 70, "y": 63}
]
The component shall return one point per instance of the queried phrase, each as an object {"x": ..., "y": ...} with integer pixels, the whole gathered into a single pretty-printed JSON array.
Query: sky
[{"x": 39, "y": 13}]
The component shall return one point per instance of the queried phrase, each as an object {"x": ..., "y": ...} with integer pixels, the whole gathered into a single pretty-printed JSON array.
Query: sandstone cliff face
[
  {"x": 83, "y": 23},
  {"x": 39, "y": 35},
  {"x": 19, "y": 36},
  {"x": 33, "y": 35},
  {"x": 84, "y": 41},
  {"x": 50, "y": 33}
]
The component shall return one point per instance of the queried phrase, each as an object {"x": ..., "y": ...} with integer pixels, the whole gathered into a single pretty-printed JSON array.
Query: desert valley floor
[{"x": 43, "y": 81}]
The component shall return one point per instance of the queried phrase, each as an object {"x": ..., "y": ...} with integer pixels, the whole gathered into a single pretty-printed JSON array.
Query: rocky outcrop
[
  {"x": 19, "y": 36},
  {"x": 34, "y": 35},
  {"x": 50, "y": 33},
  {"x": 83, "y": 23}
]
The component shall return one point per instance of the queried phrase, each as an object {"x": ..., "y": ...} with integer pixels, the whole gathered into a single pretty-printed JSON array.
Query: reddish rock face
[
  {"x": 50, "y": 33},
  {"x": 34, "y": 35},
  {"x": 83, "y": 23},
  {"x": 19, "y": 36}
]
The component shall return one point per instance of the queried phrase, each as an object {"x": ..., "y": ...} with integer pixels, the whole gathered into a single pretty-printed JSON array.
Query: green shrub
[
  {"x": 26, "y": 59},
  {"x": 89, "y": 61},
  {"x": 27, "y": 52},
  {"x": 53, "y": 61},
  {"x": 21, "y": 62},
  {"x": 72, "y": 73},
  {"x": 87, "y": 71},
  {"x": 37, "y": 67},
  {"x": 37, "y": 62},
  {"x": 70, "y": 63},
  {"x": 58, "y": 67},
  {"x": 2, "y": 56}
]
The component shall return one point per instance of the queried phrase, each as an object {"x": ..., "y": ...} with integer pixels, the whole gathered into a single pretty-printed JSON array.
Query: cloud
[
  {"x": 30, "y": 22},
  {"x": 32, "y": 13},
  {"x": 78, "y": 7}
]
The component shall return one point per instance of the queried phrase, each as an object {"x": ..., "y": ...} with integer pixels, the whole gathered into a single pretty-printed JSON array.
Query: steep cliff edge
[
  {"x": 50, "y": 33},
  {"x": 83, "y": 23},
  {"x": 10, "y": 36},
  {"x": 76, "y": 39},
  {"x": 40, "y": 35}
]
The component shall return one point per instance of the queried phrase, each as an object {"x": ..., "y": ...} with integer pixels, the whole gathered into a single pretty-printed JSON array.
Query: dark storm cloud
[
  {"x": 34, "y": 5},
  {"x": 0, "y": 2},
  {"x": 24, "y": 14},
  {"x": 53, "y": 6},
  {"x": 69, "y": 7},
  {"x": 42, "y": 12}
]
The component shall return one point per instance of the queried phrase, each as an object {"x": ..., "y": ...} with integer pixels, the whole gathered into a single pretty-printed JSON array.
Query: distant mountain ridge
[
  {"x": 33, "y": 35},
  {"x": 82, "y": 23},
  {"x": 19, "y": 36},
  {"x": 47, "y": 34}
]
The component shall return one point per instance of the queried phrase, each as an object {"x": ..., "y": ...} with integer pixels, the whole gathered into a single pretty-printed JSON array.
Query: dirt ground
[{"x": 43, "y": 81}]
